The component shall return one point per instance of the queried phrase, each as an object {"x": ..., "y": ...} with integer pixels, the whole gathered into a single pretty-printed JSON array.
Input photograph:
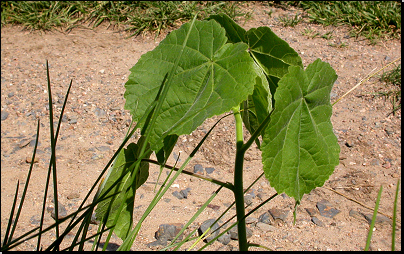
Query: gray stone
[
  {"x": 62, "y": 212},
  {"x": 380, "y": 219},
  {"x": 325, "y": 208},
  {"x": 73, "y": 195},
  {"x": 248, "y": 199},
  {"x": 251, "y": 220},
  {"x": 185, "y": 192},
  {"x": 355, "y": 214},
  {"x": 278, "y": 214},
  {"x": 198, "y": 169},
  {"x": 316, "y": 221},
  {"x": 234, "y": 233},
  {"x": 209, "y": 170},
  {"x": 32, "y": 143},
  {"x": 311, "y": 211},
  {"x": 4, "y": 115},
  {"x": 178, "y": 195},
  {"x": 224, "y": 239},
  {"x": 159, "y": 242},
  {"x": 265, "y": 227},
  {"x": 168, "y": 231},
  {"x": 205, "y": 226},
  {"x": 265, "y": 218}
]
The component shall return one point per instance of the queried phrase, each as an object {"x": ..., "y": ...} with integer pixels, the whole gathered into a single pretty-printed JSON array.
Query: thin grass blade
[
  {"x": 10, "y": 220},
  {"x": 372, "y": 224},
  {"x": 26, "y": 183},
  {"x": 393, "y": 233}
]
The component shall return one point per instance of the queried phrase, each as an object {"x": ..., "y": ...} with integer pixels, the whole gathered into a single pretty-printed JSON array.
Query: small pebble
[
  {"x": 311, "y": 211},
  {"x": 209, "y": 170},
  {"x": 316, "y": 221},
  {"x": 62, "y": 212},
  {"x": 4, "y": 115},
  {"x": 380, "y": 219},
  {"x": 178, "y": 195},
  {"x": 198, "y": 169},
  {"x": 234, "y": 233},
  {"x": 73, "y": 195},
  {"x": 248, "y": 199},
  {"x": 205, "y": 226},
  {"x": 185, "y": 192},
  {"x": 355, "y": 214},
  {"x": 168, "y": 231},
  {"x": 251, "y": 220},
  {"x": 265, "y": 227},
  {"x": 326, "y": 210},
  {"x": 224, "y": 239},
  {"x": 214, "y": 207},
  {"x": 278, "y": 213},
  {"x": 265, "y": 218}
]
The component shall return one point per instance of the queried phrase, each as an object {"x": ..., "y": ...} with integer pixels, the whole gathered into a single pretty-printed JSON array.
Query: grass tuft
[
  {"x": 371, "y": 19},
  {"x": 392, "y": 79},
  {"x": 133, "y": 16}
]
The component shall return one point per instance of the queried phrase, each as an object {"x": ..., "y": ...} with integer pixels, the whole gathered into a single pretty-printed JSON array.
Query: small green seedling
[{"x": 207, "y": 68}]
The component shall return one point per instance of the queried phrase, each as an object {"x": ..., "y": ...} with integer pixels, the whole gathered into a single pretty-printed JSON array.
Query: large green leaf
[
  {"x": 300, "y": 150},
  {"x": 211, "y": 78},
  {"x": 120, "y": 169},
  {"x": 272, "y": 56}
]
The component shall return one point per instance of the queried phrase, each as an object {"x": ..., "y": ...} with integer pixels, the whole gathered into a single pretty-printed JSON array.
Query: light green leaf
[
  {"x": 299, "y": 149},
  {"x": 125, "y": 159},
  {"x": 211, "y": 78}
]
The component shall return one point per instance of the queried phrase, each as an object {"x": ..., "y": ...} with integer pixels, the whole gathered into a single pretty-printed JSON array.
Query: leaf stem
[{"x": 238, "y": 181}]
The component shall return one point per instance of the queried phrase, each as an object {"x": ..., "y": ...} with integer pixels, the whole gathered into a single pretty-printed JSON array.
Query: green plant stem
[{"x": 238, "y": 181}]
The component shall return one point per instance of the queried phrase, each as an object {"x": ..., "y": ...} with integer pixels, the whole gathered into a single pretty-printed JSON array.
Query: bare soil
[{"x": 98, "y": 62}]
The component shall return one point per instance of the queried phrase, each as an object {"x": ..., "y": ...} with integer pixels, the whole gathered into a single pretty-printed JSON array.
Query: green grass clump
[
  {"x": 392, "y": 79},
  {"x": 371, "y": 19},
  {"x": 134, "y": 16},
  {"x": 287, "y": 21}
]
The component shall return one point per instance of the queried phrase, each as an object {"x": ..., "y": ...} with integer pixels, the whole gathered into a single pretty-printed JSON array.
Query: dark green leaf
[
  {"x": 120, "y": 169},
  {"x": 212, "y": 77},
  {"x": 299, "y": 149}
]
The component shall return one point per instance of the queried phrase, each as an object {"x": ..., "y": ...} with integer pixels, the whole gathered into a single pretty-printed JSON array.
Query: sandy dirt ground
[{"x": 95, "y": 123}]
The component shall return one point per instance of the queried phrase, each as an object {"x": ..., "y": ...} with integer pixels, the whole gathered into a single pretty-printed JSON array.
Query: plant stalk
[{"x": 238, "y": 181}]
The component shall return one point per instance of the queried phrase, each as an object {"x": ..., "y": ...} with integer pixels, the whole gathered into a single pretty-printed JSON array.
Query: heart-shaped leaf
[
  {"x": 212, "y": 77},
  {"x": 299, "y": 149}
]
